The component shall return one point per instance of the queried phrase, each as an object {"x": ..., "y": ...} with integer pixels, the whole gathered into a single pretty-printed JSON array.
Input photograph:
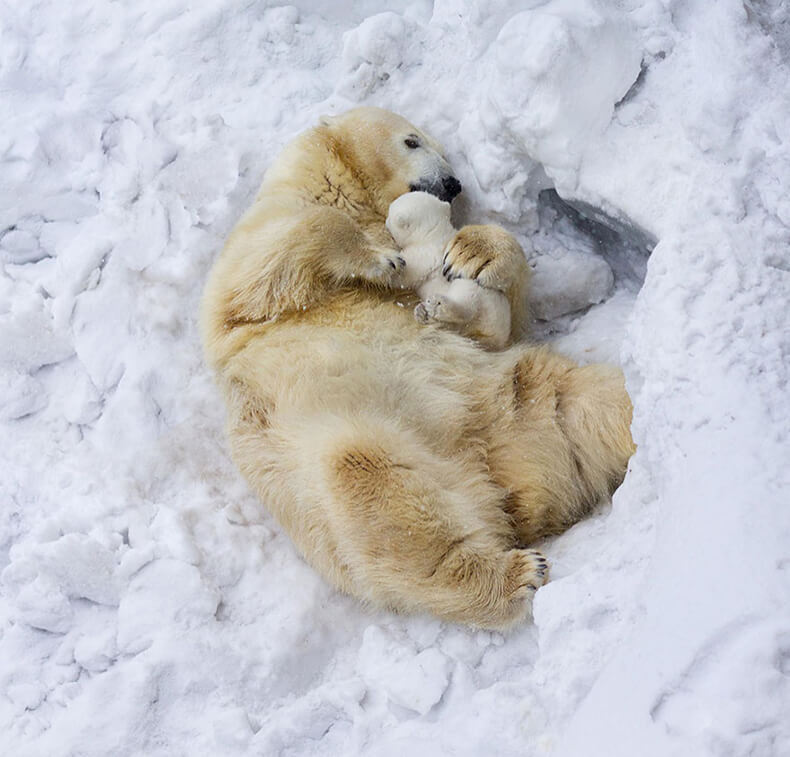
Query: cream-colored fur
[
  {"x": 420, "y": 224},
  {"x": 411, "y": 467}
]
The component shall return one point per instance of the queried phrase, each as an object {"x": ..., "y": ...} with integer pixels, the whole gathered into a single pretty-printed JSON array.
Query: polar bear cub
[{"x": 420, "y": 224}]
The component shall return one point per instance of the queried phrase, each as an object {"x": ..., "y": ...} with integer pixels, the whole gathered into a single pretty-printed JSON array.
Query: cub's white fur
[{"x": 420, "y": 224}]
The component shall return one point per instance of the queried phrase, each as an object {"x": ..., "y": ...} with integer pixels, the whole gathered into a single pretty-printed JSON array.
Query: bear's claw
[
  {"x": 485, "y": 254},
  {"x": 384, "y": 266}
]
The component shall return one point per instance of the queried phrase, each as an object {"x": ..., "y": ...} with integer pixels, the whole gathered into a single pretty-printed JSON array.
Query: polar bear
[
  {"x": 410, "y": 466},
  {"x": 420, "y": 225}
]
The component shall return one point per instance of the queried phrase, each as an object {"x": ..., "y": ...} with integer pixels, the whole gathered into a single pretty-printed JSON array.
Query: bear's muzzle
[{"x": 446, "y": 188}]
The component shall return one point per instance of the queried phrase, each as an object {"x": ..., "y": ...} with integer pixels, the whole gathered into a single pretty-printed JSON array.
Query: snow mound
[{"x": 557, "y": 71}]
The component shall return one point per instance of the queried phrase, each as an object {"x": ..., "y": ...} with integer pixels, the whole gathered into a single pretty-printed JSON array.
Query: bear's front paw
[
  {"x": 486, "y": 254},
  {"x": 384, "y": 266}
]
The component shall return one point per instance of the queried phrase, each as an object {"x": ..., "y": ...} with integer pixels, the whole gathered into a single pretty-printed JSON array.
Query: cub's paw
[
  {"x": 486, "y": 254},
  {"x": 430, "y": 309},
  {"x": 384, "y": 266},
  {"x": 421, "y": 313}
]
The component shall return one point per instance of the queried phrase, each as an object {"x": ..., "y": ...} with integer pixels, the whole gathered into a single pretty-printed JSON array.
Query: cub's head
[
  {"x": 389, "y": 155},
  {"x": 417, "y": 216}
]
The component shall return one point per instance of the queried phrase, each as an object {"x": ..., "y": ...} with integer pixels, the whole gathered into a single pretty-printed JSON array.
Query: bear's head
[
  {"x": 389, "y": 156},
  {"x": 417, "y": 217}
]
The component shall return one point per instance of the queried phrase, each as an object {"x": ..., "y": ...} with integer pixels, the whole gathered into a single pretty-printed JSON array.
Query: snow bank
[{"x": 150, "y": 605}]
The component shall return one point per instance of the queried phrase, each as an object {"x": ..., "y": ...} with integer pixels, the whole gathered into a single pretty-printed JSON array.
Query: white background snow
[{"x": 150, "y": 606}]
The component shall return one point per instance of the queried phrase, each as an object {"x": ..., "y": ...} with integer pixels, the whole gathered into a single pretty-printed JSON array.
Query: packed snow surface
[{"x": 149, "y": 605}]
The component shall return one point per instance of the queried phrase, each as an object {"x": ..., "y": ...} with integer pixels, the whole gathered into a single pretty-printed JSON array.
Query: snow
[{"x": 150, "y": 605}]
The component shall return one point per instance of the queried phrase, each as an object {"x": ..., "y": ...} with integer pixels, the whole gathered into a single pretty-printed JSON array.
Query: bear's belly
[{"x": 371, "y": 359}]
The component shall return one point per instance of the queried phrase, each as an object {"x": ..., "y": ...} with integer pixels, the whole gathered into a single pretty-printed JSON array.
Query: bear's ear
[{"x": 326, "y": 120}]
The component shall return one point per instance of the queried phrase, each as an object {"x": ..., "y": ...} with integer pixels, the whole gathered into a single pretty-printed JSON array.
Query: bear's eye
[{"x": 411, "y": 143}]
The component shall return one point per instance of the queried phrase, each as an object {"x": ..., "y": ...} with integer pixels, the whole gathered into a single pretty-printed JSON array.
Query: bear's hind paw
[{"x": 528, "y": 572}]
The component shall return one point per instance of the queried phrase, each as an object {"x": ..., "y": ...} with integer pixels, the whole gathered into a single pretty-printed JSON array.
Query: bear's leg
[
  {"x": 422, "y": 533},
  {"x": 563, "y": 445},
  {"x": 595, "y": 413}
]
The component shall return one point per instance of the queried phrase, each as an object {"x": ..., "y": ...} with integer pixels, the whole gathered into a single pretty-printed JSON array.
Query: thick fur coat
[{"x": 410, "y": 466}]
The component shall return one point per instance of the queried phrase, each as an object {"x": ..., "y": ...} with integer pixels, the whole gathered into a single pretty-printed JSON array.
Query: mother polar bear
[{"x": 410, "y": 466}]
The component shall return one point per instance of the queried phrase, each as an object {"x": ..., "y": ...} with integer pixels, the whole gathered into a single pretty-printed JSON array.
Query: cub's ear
[
  {"x": 397, "y": 222},
  {"x": 326, "y": 120}
]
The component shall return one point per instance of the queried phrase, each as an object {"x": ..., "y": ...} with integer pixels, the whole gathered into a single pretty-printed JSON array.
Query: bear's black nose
[
  {"x": 451, "y": 187},
  {"x": 445, "y": 189}
]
